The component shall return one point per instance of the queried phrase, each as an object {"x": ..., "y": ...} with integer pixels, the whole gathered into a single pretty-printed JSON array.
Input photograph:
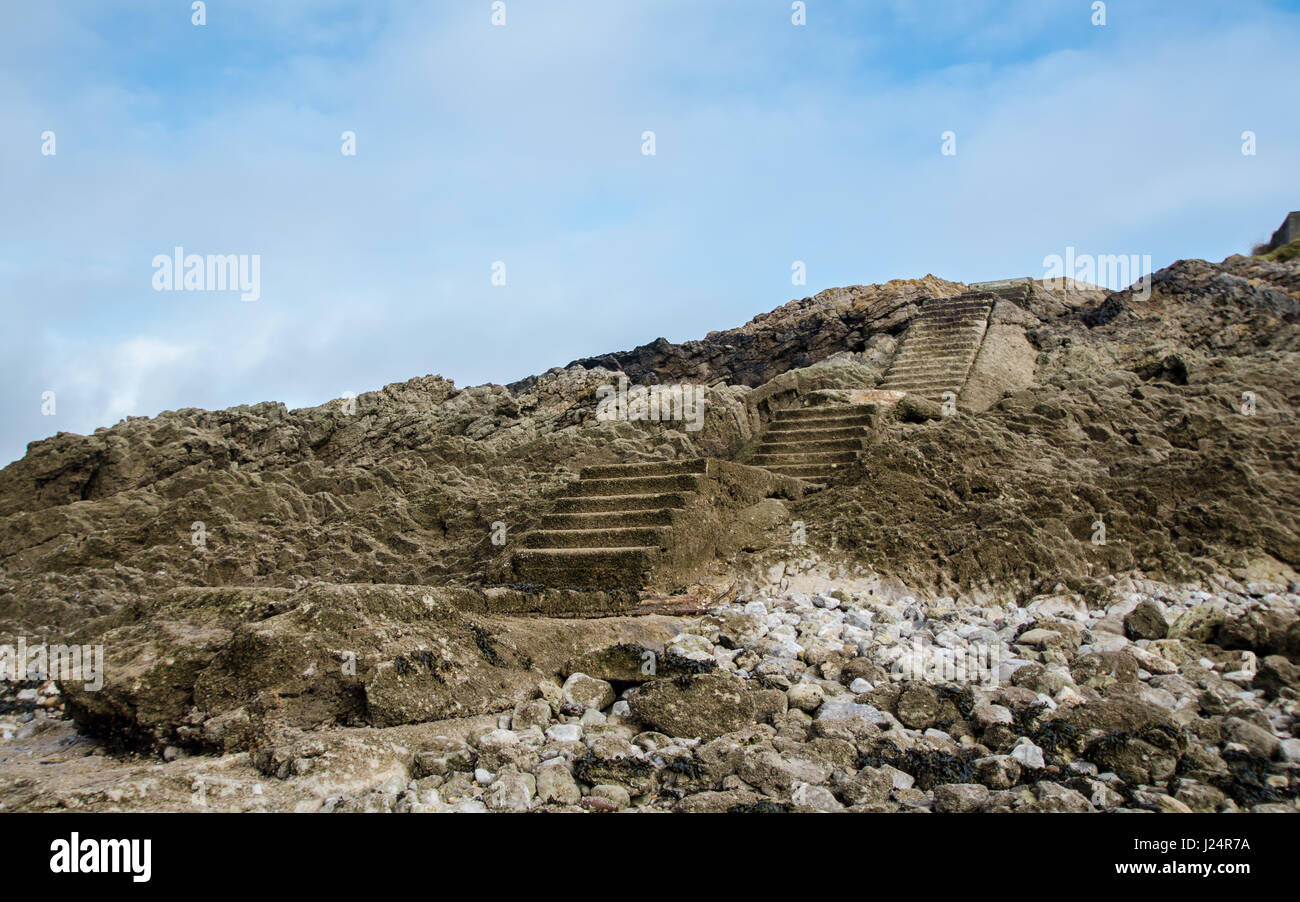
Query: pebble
[
  {"x": 586, "y": 692},
  {"x": 564, "y": 732},
  {"x": 1028, "y": 754},
  {"x": 614, "y": 794},
  {"x": 806, "y": 697}
]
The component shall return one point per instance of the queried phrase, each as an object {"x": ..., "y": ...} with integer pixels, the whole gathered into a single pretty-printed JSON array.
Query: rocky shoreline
[
  {"x": 1075, "y": 591},
  {"x": 1153, "y": 698},
  {"x": 1127, "y": 707}
]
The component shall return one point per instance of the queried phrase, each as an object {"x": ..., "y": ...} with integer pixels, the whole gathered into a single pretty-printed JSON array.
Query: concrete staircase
[
  {"x": 812, "y": 443},
  {"x": 610, "y": 527},
  {"x": 940, "y": 345}
]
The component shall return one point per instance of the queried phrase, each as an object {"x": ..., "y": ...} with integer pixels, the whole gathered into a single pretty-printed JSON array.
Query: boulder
[
  {"x": 1146, "y": 621},
  {"x": 703, "y": 706},
  {"x": 586, "y": 692},
  {"x": 960, "y": 798}
]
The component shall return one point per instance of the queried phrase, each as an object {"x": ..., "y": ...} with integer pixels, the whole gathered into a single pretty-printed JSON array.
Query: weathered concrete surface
[
  {"x": 655, "y": 526},
  {"x": 1005, "y": 363},
  {"x": 940, "y": 346},
  {"x": 224, "y": 668},
  {"x": 1287, "y": 232}
]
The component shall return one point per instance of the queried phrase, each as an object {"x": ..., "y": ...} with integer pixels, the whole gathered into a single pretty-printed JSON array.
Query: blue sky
[{"x": 522, "y": 144}]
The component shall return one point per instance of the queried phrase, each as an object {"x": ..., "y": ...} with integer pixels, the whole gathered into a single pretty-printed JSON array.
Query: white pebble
[
  {"x": 564, "y": 732},
  {"x": 1028, "y": 754}
]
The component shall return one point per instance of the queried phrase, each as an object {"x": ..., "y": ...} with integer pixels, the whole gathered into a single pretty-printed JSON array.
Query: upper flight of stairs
[
  {"x": 940, "y": 346},
  {"x": 610, "y": 526},
  {"x": 812, "y": 443}
]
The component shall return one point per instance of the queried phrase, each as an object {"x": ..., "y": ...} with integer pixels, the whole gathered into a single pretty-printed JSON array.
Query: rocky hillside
[
  {"x": 1170, "y": 420},
  {"x": 314, "y": 600},
  {"x": 804, "y": 332},
  {"x": 402, "y": 489},
  {"x": 1133, "y": 417}
]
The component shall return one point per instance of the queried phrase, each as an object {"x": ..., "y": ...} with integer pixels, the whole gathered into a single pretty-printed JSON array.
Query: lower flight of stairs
[
  {"x": 813, "y": 443},
  {"x": 940, "y": 346},
  {"x": 610, "y": 527}
]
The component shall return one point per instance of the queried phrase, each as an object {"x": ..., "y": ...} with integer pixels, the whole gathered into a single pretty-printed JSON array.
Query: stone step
[
  {"x": 929, "y": 394},
  {"x": 944, "y": 305},
  {"x": 925, "y": 368},
  {"x": 947, "y": 325},
  {"x": 956, "y": 357},
  {"x": 940, "y": 347},
  {"x": 936, "y": 354},
  {"x": 620, "y": 537},
  {"x": 965, "y": 307},
  {"x": 849, "y": 411},
  {"x": 965, "y": 335},
  {"x": 784, "y": 434},
  {"x": 950, "y": 374},
  {"x": 763, "y": 459},
  {"x": 972, "y": 312},
  {"x": 959, "y": 332},
  {"x": 948, "y": 328},
  {"x": 957, "y": 310},
  {"x": 818, "y": 473},
  {"x": 942, "y": 382},
  {"x": 608, "y": 519},
  {"x": 858, "y": 422},
  {"x": 948, "y": 322},
  {"x": 924, "y": 379},
  {"x": 927, "y": 390},
  {"x": 968, "y": 339},
  {"x": 626, "y": 567},
  {"x": 635, "y": 485},
  {"x": 928, "y": 349},
  {"x": 813, "y": 443},
  {"x": 941, "y": 332},
  {"x": 951, "y": 316},
  {"x": 593, "y": 504},
  {"x": 648, "y": 468},
  {"x": 768, "y": 446}
]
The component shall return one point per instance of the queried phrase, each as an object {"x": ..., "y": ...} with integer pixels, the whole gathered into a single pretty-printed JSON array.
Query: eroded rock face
[
  {"x": 1168, "y": 420},
  {"x": 1007, "y": 361},
  {"x": 406, "y": 488},
  {"x": 796, "y": 335},
  {"x": 407, "y": 485},
  {"x": 222, "y": 669},
  {"x": 1154, "y": 435},
  {"x": 1146, "y": 621}
]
